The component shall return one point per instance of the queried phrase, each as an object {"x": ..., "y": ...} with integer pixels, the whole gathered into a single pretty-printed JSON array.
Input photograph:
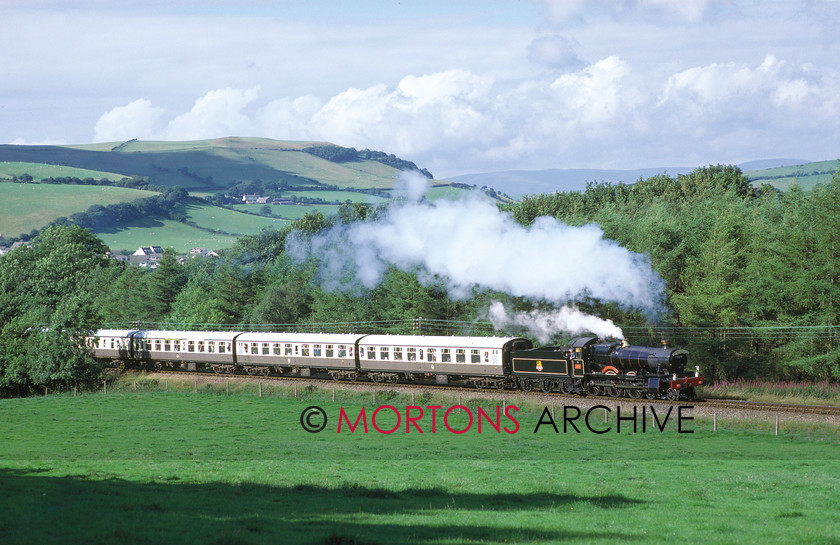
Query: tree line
[{"x": 752, "y": 279}]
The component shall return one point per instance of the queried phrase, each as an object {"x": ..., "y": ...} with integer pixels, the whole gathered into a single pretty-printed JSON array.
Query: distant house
[
  {"x": 5, "y": 250},
  {"x": 283, "y": 200},
  {"x": 250, "y": 199},
  {"x": 146, "y": 256},
  {"x": 117, "y": 257},
  {"x": 203, "y": 252}
]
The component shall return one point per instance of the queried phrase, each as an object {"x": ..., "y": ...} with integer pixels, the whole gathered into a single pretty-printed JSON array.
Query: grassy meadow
[
  {"x": 39, "y": 171},
  {"x": 24, "y": 207},
  {"x": 181, "y": 462},
  {"x": 230, "y": 221},
  {"x": 805, "y": 176},
  {"x": 161, "y": 232}
]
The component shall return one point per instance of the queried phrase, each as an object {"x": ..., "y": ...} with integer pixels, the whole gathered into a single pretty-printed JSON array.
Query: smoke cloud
[
  {"x": 470, "y": 243},
  {"x": 545, "y": 325}
]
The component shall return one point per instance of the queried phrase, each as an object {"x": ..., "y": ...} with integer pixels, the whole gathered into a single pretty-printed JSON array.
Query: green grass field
[
  {"x": 162, "y": 232},
  {"x": 24, "y": 207},
  {"x": 230, "y": 221},
  {"x": 181, "y": 467},
  {"x": 805, "y": 176},
  {"x": 39, "y": 171},
  {"x": 340, "y": 196},
  {"x": 290, "y": 212}
]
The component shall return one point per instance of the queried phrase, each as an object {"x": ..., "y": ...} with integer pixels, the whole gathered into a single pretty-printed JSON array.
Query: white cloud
[
  {"x": 589, "y": 84},
  {"x": 137, "y": 119},
  {"x": 217, "y": 113}
]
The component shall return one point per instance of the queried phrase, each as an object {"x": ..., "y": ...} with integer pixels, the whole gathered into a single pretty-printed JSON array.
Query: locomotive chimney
[
  {"x": 624, "y": 343},
  {"x": 666, "y": 343}
]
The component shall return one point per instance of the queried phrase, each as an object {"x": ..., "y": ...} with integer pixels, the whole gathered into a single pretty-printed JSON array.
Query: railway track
[
  {"x": 771, "y": 407},
  {"x": 711, "y": 404}
]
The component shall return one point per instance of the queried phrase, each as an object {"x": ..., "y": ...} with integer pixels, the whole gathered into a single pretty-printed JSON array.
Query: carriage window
[
  {"x": 191, "y": 346},
  {"x": 383, "y": 352},
  {"x": 431, "y": 354},
  {"x": 475, "y": 356},
  {"x": 177, "y": 346},
  {"x": 398, "y": 353},
  {"x": 460, "y": 355},
  {"x": 157, "y": 345},
  {"x": 265, "y": 348},
  {"x": 211, "y": 346},
  {"x": 445, "y": 355},
  {"x": 304, "y": 350},
  {"x": 255, "y": 348},
  {"x": 112, "y": 343},
  {"x": 222, "y": 347},
  {"x": 288, "y": 349},
  {"x": 412, "y": 354},
  {"x": 342, "y": 351},
  {"x": 316, "y": 350},
  {"x": 167, "y": 345},
  {"x": 276, "y": 347},
  {"x": 330, "y": 351},
  {"x": 371, "y": 352},
  {"x": 201, "y": 346}
]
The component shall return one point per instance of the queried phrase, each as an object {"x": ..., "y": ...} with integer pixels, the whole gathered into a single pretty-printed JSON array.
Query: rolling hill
[
  {"x": 779, "y": 173},
  {"x": 316, "y": 175},
  {"x": 203, "y": 165}
]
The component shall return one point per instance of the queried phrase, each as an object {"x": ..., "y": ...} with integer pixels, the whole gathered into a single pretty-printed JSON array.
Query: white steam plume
[
  {"x": 544, "y": 325},
  {"x": 469, "y": 242}
]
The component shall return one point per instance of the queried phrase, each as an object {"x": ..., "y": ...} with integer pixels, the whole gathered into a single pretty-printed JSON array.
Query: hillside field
[
  {"x": 162, "y": 232},
  {"x": 39, "y": 171},
  {"x": 210, "y": 165},
  {"x": 155, "y": 466},
  {"x": 24, "y": 207},
  {"x": 806, "y": 176}
]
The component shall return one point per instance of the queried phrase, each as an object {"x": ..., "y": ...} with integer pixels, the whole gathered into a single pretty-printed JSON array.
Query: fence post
[
  {"x": 227, "y": 386},
  {"x": 777, "y": 425},
  {"x": 105, "y": 385},
  {"x": 714, "y": 421},
  {"x": 333, "y": 394},
  {"x": 295, "y": 391},
  {"x": 196, "y": 385},
  {"x": 167, "y": 385},
  {"x": 260, "y": 386},
  {"x": 74, "y": 391}
]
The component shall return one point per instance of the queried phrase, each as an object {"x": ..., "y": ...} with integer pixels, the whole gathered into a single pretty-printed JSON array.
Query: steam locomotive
[{"x": 585, "y": 366}]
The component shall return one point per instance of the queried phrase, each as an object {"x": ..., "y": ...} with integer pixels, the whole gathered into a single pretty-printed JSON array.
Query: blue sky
[{"x": 457, "y": 87}]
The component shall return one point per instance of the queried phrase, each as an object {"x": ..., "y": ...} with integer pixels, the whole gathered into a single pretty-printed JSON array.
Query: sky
[{"x": 457, "y": 87}]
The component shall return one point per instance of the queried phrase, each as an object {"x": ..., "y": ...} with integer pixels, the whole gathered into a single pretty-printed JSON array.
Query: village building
[{"x": 146, "y": 256}]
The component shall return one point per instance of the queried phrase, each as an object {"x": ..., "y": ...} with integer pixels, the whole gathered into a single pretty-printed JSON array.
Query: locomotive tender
[{"x": 585, "y": 366}]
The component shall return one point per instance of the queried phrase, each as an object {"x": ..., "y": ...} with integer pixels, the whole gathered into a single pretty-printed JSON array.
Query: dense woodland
[{"x": 752, "y": 282}]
